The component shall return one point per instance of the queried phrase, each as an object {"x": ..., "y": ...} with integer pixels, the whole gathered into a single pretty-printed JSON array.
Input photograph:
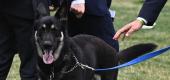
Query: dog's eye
[
  {"x": 44, "y": 26},
  {"x": 52, "y": 27}
]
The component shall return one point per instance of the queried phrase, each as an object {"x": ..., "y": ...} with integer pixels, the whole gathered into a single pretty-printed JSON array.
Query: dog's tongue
[{"x": 48, "y": 57}]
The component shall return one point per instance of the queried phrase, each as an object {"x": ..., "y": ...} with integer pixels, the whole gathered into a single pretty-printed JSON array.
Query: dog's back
[
  {"x": 98, "y": 54},
  {"x": 100, "y": 48}
]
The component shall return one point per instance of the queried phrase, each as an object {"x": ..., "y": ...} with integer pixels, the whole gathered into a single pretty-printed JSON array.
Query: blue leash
[{"x": 137, "y": 60}]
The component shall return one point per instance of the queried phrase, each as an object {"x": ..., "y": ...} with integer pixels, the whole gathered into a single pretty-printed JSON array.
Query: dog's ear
[
  {"x": 42, "y": 10},
  {"x": 62, "y": 11}
]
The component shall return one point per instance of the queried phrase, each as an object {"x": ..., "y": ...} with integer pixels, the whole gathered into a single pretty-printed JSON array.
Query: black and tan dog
[{"x": 73, "y": 58}]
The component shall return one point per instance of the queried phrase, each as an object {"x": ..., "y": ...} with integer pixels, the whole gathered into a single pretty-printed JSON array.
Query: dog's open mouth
[{"x": 48, "y": 57}]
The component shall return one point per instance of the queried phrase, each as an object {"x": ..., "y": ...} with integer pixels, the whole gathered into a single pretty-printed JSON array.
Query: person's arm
[
  {"x": 148, "y": 15},
  {"x": 109, "y": 2},
  {"x": 151, "y": 9}
]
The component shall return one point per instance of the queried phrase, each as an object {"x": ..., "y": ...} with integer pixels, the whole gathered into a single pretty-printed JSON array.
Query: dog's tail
[{"x": 135, "y": 51}]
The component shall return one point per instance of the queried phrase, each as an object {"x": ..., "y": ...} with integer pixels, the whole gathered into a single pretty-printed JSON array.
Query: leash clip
[
  {"x": 52, "y": 76},
  {"x": 82, "y": 65}
]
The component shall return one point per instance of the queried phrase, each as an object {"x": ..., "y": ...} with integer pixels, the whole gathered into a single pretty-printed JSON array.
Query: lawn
[{"x": 157, "y": 68}]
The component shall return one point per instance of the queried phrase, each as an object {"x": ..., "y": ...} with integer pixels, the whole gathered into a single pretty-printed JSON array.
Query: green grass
[
  {"x": 157, "y": 68},
  {"x": 153, "y": 69}
]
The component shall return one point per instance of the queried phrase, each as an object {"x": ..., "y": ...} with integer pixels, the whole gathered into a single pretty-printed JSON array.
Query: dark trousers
[
  {"x": 100, "y": 26},
  {"x": 16, "y": 36}
]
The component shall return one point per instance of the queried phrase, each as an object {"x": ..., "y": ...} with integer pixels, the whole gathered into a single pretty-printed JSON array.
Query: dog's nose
[{"x": 47, "y": 44}]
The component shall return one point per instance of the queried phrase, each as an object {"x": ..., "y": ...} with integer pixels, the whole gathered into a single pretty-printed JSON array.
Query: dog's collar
[{"x": 65, "y": 71}]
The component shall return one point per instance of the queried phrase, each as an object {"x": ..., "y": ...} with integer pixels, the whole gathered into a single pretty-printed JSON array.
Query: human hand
[
  {"x": 128, "y": 29},
  {"x": 78, "y": 9}
]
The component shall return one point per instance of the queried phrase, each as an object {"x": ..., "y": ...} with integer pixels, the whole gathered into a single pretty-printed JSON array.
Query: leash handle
[{"x": 138, "y": 60}]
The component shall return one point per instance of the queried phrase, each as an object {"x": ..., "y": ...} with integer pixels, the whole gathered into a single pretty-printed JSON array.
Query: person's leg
[
  {"x": 103, "y": 28},
  {"x": 6, "y": 47},
  {"x": 23, "y": 29}
]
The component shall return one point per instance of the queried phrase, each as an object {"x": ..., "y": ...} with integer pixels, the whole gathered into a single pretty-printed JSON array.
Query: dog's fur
[{"x": 53, "y": 42}]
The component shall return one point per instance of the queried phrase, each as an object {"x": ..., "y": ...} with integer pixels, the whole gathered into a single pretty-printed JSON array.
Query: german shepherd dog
[{"x": 61, "y": 57}]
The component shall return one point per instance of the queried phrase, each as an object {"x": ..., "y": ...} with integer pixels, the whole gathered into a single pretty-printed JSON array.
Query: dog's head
[{"x": 48, "y": 36}]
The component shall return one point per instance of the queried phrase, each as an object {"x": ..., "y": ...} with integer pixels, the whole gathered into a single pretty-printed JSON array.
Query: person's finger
[
  {"x": 117, "y": 35},
  {"x": 73, "y": 8},
  {"x": 77, "y": 12},
  {"x": 130, "y": 31},
  {"x": 121, "y": 31},
  {"x": 78, "y": 8},
  {"x": 81, "y": 9},
  {"x": 133, "y": 29}
]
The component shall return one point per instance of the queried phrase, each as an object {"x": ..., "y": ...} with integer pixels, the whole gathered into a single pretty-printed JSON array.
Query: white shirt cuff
[
  {"x": 144, "y": 20},
  {"x": 78, "y": 1},
  {"x": 112, "y": 13}
]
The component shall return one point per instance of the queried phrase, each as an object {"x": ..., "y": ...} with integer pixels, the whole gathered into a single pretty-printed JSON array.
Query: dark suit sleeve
[
  {"x": 109, "y": 2},
  {"x": 151, "y": 9}
]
